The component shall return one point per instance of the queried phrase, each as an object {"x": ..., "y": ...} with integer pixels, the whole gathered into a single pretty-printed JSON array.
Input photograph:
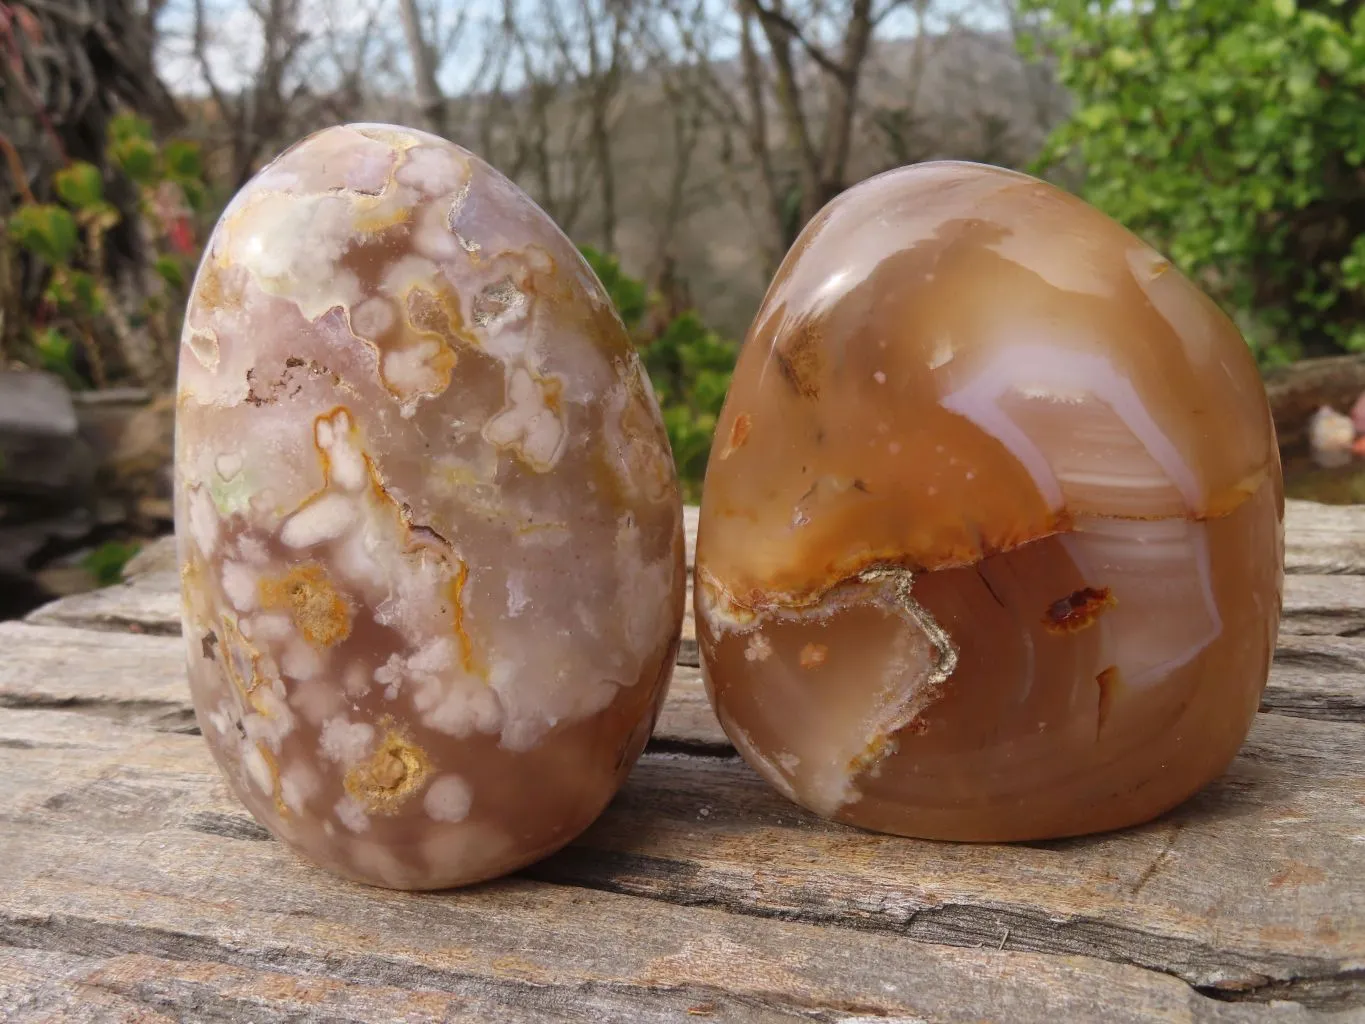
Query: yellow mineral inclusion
[
  {"x": 318, "y": 610},
  {"x": 385, "y": 780},
  {"x": 456, "y": 586},
  {"x": 373, "y": 214},
  {"x": 276, "y": 790}
]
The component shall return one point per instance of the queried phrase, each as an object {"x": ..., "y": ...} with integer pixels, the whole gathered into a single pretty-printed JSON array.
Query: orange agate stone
[{"x": 991, "y": 541}]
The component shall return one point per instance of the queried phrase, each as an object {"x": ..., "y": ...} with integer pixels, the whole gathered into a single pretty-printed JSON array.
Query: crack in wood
[
  {"x": 1166, "y": 847},
  {"x": 691, "y": 748},
  {"x": 645, "y": 1001},
  {"x": 1325, "y": 982},
  {"x": 158, "y": 715},
  {"x": 1317, "y": 675},
  {"x": 1342, "y": 991},
  {"x": 229, "y": 826},
  {"x": 1320, "y": 707}
]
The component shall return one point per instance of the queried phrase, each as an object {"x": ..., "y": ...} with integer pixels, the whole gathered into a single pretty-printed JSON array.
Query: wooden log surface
[
  {"x": 1298, "y": 390},
  {"x": 136, "y": 888}
]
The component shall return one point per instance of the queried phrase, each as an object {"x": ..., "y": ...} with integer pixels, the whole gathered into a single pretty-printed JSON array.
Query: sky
[{"x": 235, "y": 43}]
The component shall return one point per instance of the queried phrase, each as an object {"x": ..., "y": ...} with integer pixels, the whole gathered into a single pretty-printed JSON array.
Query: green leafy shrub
[
  {"x": 689, "y": 365},
  {"x": 1231, "y": 135},
  {"x": 79, "y": 311}
]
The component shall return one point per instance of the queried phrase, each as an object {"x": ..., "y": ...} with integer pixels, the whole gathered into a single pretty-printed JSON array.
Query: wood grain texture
[
  {"x": 145, "y": 604},
  {"x": 1327, "y": 539},
  {"x": 134, "y": 888},
  {"x": 1318, "y": 677},
  {"x": 1258, "y": 882},
  {"x": 131, "y": 857},
  {"x": 1324, "y": 605},
  {"x": 125, "y": 677}
]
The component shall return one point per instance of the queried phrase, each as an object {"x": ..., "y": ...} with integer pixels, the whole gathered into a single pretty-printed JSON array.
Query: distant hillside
[{"x": 963, "y": 95}]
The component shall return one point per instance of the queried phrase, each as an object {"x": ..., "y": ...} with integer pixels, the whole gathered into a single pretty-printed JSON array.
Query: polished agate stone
[
  {"x": 429, "y": 527},
  {"x": 990, "y": 542}
]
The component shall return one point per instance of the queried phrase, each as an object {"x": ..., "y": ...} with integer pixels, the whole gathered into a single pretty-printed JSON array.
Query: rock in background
[{"x": 85, "y": 479}]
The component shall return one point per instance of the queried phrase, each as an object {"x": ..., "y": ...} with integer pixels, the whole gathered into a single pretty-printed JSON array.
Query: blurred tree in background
[
  {"x": 684, "y": 143},
  {"x": 83, "y": 326},
  {"x": 102, "y": 205},
  {"x": 1231, "y": 135}
]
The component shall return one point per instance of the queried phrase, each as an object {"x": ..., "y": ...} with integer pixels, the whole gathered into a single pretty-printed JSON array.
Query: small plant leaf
[
  {"x": 80, "y": 185},
  {"x": 106, "y": 562},
  {"x": 182, "y": 160},
  {"x": 46, "y": 230}
]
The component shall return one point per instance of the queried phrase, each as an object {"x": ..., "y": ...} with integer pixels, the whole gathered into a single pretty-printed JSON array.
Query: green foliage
[
  {"x": 79, "y": 185},
  {"x": 182, "y": 160},
  {"x": 131, "y": 148},
  {"x": 172, "y": 270},
  {"x": 46, "y": 230},
  {"x": 75, "y": 292},
  {"x": 1230, "y": 134},
  {"x": 135, "y": 158},
  {"x": 67, "y": 237},
  {"x": 106, "y": 562},
  {"x": 126, "y": 127},
  {"x": 57, "y": 355},
  {"x": 689, "y": 366}
]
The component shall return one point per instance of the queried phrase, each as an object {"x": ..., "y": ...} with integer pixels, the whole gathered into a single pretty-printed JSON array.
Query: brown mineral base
[
  {"x": 991, "y": 543},
  {"x": 1025, "y": 742}
]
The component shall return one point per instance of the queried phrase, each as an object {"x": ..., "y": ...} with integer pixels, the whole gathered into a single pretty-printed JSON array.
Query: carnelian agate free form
[
  {"x": 429, "y": 528},
  {"x": 990, "y": 542}
]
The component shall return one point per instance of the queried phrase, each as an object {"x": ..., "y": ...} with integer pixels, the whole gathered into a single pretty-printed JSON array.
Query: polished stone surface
[
  {"x": 990, "y": 543},
  {"x": 430, "y": 531}
]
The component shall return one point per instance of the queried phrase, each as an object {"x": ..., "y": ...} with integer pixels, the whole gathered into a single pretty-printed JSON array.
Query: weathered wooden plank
[
  {"x": 691, "y": 515},
  {"x": 145, "y": 604},
  {"x": 1201, "y": 900},
  {"x": 687, "y": 722},
  {"x": 1324, "y": 605},
  {"x": 1272, "y": 857},
  {"x": 1318, "y": 677},
  {"x": 37, "y": 985},
  {"x": 133, "y": 853},
  {"x": 1258, "y": 883},
  {"x": 1324, "y": 538},
  {"x": 687, "y": 649},
  {"x": 121, "y": 676},
  {"x": 157, "y": 555}
]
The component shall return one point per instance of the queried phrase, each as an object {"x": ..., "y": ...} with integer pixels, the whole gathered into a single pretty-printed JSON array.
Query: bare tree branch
[
  {"x": 431, "y": 102},
  {"x": 775, "y": 20}
]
